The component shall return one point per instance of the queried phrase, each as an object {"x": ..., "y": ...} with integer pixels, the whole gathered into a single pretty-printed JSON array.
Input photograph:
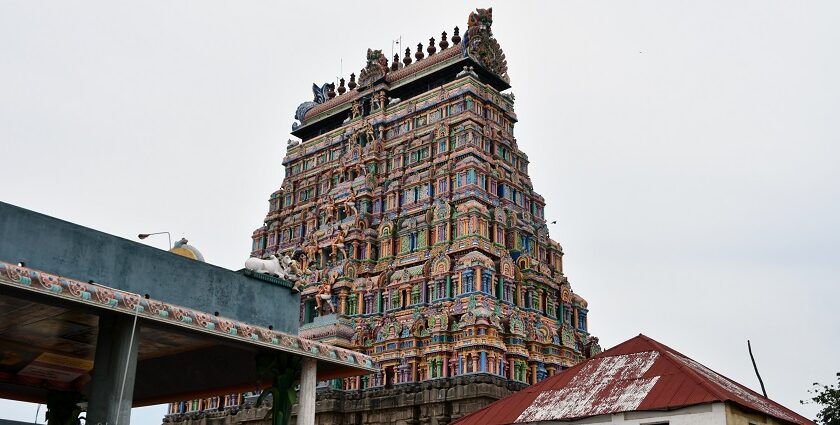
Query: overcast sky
[{"x": 688, "y": 150}]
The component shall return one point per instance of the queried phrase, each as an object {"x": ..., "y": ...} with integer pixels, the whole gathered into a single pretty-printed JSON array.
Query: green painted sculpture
[{"x": 283, "y": 370}]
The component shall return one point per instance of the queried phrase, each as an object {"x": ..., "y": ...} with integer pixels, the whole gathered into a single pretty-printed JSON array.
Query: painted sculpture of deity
[
  {"x": 349, "y": 204},
  {"x": 338, "y": 243},
  {"x": 324, "y": 294}
]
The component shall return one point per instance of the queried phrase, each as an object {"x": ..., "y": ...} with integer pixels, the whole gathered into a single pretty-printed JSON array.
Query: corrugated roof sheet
[{"x": 638, "y": 374}]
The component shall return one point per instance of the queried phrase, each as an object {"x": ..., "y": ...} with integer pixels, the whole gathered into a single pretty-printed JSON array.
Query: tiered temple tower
[{"x": 408, "y": 207}]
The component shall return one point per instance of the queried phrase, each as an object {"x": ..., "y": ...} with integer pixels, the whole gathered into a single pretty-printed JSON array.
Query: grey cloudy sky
[{"x": 687, "y": 150}]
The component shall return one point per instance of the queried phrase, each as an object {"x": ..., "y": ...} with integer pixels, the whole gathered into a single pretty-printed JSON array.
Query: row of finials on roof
[{"x": 406, "y": 60}]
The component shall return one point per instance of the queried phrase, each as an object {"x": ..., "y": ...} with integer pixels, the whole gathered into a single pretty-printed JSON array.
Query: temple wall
[{"x": 435, "y": 402}]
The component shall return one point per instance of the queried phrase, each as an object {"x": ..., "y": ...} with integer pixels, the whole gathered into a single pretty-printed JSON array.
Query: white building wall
[{"x": 704, "y": 414}]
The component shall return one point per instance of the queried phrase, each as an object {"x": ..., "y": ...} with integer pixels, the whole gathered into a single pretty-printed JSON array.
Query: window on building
[
  {"x": 471, "y": 177},
  {"x": 469, "y": 285},
  {"x": 582, "y": 320}
]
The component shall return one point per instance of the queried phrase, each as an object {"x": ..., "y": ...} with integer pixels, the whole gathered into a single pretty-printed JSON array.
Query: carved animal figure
[
  {"x": 293, "y": 272},
  {"x": 480, "y": 19},
  {"x": 286, "y": 269},
  {"x": 319, "y": 96},
  {"x": 271, "y": 266}
]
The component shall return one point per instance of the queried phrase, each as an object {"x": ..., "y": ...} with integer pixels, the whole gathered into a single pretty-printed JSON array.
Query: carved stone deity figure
[
  {"x": 349, "y": 204},
  {"x": 324, "y": 294},
  {"x": 329, "y": 210},
  {"x": 338, "y": 243},
  {"x": 310, "y": 249},
  {"x": 369, "y": 132},
  {"x": 355, "y": 110},
  {"x": 379, "y": 99}
]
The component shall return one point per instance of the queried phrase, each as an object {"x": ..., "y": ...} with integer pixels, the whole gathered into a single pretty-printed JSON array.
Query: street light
[{"x": 146, "y": 235}]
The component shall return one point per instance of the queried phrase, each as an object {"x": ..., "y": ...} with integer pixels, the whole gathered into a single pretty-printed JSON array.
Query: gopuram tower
[{"x": 420, "y": 239}]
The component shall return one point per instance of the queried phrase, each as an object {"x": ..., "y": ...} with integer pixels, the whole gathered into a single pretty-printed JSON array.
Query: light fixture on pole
[{"x": 146, "y": 235}]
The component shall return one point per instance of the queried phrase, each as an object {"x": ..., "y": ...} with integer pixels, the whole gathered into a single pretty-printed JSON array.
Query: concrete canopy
[
  {"x": 49, "y": 327},
  {"x": 73, "y": 297}
]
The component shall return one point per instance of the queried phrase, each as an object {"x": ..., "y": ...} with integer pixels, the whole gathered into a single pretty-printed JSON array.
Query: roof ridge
[
  {"x": 667, "y": 354},
  {"x": 714, "y": 387}
]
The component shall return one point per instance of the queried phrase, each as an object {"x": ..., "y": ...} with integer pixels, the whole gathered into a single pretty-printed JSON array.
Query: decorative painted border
[{"x": 101, "y": 296}]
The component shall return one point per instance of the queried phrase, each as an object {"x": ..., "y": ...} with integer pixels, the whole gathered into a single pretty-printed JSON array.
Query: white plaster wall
[{"x": 704, "y": 414}]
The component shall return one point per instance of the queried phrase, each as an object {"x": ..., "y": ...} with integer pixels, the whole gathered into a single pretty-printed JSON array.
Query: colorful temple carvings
[
  {"x": 422, "y": 242},
  {"x": 409, "y": 203}
]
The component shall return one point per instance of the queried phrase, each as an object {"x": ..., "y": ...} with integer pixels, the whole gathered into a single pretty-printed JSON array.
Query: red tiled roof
[{"x": 636, "y": 375}]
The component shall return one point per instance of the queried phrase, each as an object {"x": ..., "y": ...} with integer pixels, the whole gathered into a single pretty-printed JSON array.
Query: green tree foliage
[
  {"x": 828, "y": 397},
  {"x": 63, "y": 408}
]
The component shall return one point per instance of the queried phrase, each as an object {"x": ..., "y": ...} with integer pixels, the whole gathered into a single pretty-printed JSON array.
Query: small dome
[{"x": 183, "y": 249}]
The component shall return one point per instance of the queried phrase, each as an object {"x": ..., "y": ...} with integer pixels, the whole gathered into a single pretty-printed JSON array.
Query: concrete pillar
[
  {"x": 114, "y": 368},
  {"x": 306, "y": 398}
]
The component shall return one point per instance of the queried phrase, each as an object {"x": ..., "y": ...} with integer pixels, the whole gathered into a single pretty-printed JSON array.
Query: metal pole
[
  {"x": 749, "y": 348},
  {"x": 146, "y": 235}
]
